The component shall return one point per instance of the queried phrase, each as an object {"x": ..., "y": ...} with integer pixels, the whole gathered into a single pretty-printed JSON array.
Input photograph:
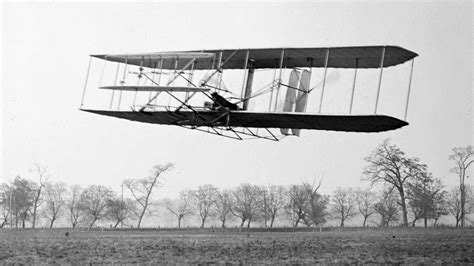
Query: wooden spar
[
  {"x": 248, "y": 87},
  {"x": 354, "y": 85},
  {"x": 190, "y": 80},
  {"x": 159, "y": 80},
  {"x": 380, "y": 80},
  {"x": 85, "y": 83},
  {"x": 279, "y": 78},
  {"x": 324, "y": 80},
  {"x": 409, "y": 88}
]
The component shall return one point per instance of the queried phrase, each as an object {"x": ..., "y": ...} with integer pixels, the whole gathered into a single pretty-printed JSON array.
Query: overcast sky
[{"x": 45, "y": 48}]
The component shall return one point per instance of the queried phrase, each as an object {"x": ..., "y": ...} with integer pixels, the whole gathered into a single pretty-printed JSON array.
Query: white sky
[{"x": 45, "y": 48}]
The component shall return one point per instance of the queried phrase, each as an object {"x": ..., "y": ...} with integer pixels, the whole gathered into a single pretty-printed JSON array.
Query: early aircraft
[{"x": 209, "y": 105}]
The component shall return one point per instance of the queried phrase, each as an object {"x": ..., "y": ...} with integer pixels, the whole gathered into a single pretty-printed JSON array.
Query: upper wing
[
  {"x": 349, "y": 123},
  {"x": 339, "y": 57}
]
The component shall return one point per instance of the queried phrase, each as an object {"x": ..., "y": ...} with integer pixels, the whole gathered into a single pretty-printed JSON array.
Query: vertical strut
[
  {"x": 380, "y": 80},
  {"x": 324, "y": 80},
  {"x": 115, "y": 84},
  {"x": 85, "y": 83},
  {"x": 273, "y": 86},
  {"x": 409, "y": 88},
  {"x": 354, "y": 85},
  {"x": 123, "y": 80},
  {"x": 245, "y": 74},
  {"x": 159, "y": 78},
  {"x": 190, "y": 80},
  {"x": 279, "y": 78}
]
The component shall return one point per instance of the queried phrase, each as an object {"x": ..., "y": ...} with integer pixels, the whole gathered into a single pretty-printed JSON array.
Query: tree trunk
[
  {"x": 365, "y": 220},
  {"x": 141, "y": 217},
  {"x": 242, "y": 223},
  {"x": 203, "y": 221},
  {"x": 223, "y": 223},
  {"x": 52, "y": 222},
  {"x": 426, "y": 221},
  {"x": 271, "y": 221},
  {"x": 117, "y": 223},
  {"x": 248, "y": 223},
  {"x": 463, "y": 201},
  {"x": 179, "y": 221},
  {"x": 404, "y": 207},
  {"x": 92, "y": 224},
  {"x": 342, "y": 223}
]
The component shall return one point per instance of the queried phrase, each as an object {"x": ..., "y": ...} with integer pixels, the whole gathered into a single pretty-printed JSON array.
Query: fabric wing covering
[
  {"x": 339, "y": 57},
  {"x": 348, "y": 123}
]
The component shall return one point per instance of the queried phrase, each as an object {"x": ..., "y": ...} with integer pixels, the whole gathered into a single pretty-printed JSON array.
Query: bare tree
[
  {"x": 454, "y": 205},
  {"x": 297, "y": 203},
  {"x": 205, "y": 197},
  {"x": 4, "y": 204},
  {"x": 463, "y": 157},
  {"x": 93, "y": 202},
  {"x": 180, "y": 207},
  {"x": 387, "y": 207},
  {"x": 315, "y": 211},
  {"x": 343, "y": 201},
  {"x": 389, "y": 164},
  {"x": 424, "y": 195},
  {"x": 223, "y": 206},
  {"x": 142, "y": 188},
  {"x": 245, "y": 203},
  {"x": 119, "y": 209},
  {"x": 42, "y": 173},
  {"x": 272, "y": 201},
  {"x": 22, "y": 195},
  {"x": 365, "y": 202},
  {"x": 55, "y": 200},
  {"x": 74, "y": 205}
]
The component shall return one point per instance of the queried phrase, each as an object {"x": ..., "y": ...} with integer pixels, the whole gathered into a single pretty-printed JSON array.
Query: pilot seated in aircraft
[{"x": 221, "y": 102}]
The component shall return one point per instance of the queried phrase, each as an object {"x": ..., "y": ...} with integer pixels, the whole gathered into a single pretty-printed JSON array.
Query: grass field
[{"x": 394, "y": 245}]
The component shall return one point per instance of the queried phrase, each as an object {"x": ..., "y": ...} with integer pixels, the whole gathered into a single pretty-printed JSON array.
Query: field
[{"x": 393, "y": 245}]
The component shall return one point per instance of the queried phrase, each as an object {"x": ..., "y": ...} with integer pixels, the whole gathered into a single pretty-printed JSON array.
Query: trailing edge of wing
[
  {"x": 348, "y": 123},
  {"x": 155, "y": 88}
]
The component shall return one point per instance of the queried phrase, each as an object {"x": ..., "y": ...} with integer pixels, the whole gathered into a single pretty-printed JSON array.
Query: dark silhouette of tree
[
  {"x": 388, "y": 164},
  {"x": 182, "y": 207},
  {"x": 205, "y": 197},
  {"x": 463, "y": 157},
  {"x": 94, "y": 201},
  {"x": 42, "y": 173},
  {"x": 73, "y": 205},
  {"x": 365, "y": 199},
  {"x": 343, "y": 201},
  {"x": 272, "y": 200},
  {"x": 315, "y": 210},
  {"x": 297, "y": 203},
  {"x": 54, "y": 198},
  {"x": 245, "y": 203},
  {"x": 223, "y": 206},
  {"x": 387, "y": 207},
  {"x": 424, "y": 196},
  {"x": 120, "y": 209},
  {"x": 142, "y": 188},
  {"x": 454, "y": 205}
]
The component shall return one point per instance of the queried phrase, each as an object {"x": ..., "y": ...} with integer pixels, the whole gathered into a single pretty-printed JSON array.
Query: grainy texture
[{"x": 195, "y": 246}]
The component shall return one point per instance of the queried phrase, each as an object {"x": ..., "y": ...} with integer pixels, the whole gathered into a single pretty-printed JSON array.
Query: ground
[{"x": 392, "y": 245}]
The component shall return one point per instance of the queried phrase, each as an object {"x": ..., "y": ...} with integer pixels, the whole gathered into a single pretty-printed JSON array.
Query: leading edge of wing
[{"x": 331, "y": 122}]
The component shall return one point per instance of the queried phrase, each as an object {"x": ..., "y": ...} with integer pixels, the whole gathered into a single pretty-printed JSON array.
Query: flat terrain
[{"x": 393, "y": 245}]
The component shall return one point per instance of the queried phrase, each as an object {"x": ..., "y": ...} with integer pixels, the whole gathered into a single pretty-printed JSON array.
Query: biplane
[{"x": 167, "y": 89}]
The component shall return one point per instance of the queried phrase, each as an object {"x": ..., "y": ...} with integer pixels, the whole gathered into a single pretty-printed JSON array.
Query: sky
[{"x": 45, "y": 48}]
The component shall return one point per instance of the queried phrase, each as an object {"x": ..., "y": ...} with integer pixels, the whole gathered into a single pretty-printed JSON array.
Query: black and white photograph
[{"x": 236, "y": 132}]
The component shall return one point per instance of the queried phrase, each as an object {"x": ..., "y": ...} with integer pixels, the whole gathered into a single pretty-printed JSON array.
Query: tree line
[{"x": 407, "y": 193}]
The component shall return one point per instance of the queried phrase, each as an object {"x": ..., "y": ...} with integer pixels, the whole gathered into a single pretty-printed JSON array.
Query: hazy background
[{"x": 45, "y": 48}]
